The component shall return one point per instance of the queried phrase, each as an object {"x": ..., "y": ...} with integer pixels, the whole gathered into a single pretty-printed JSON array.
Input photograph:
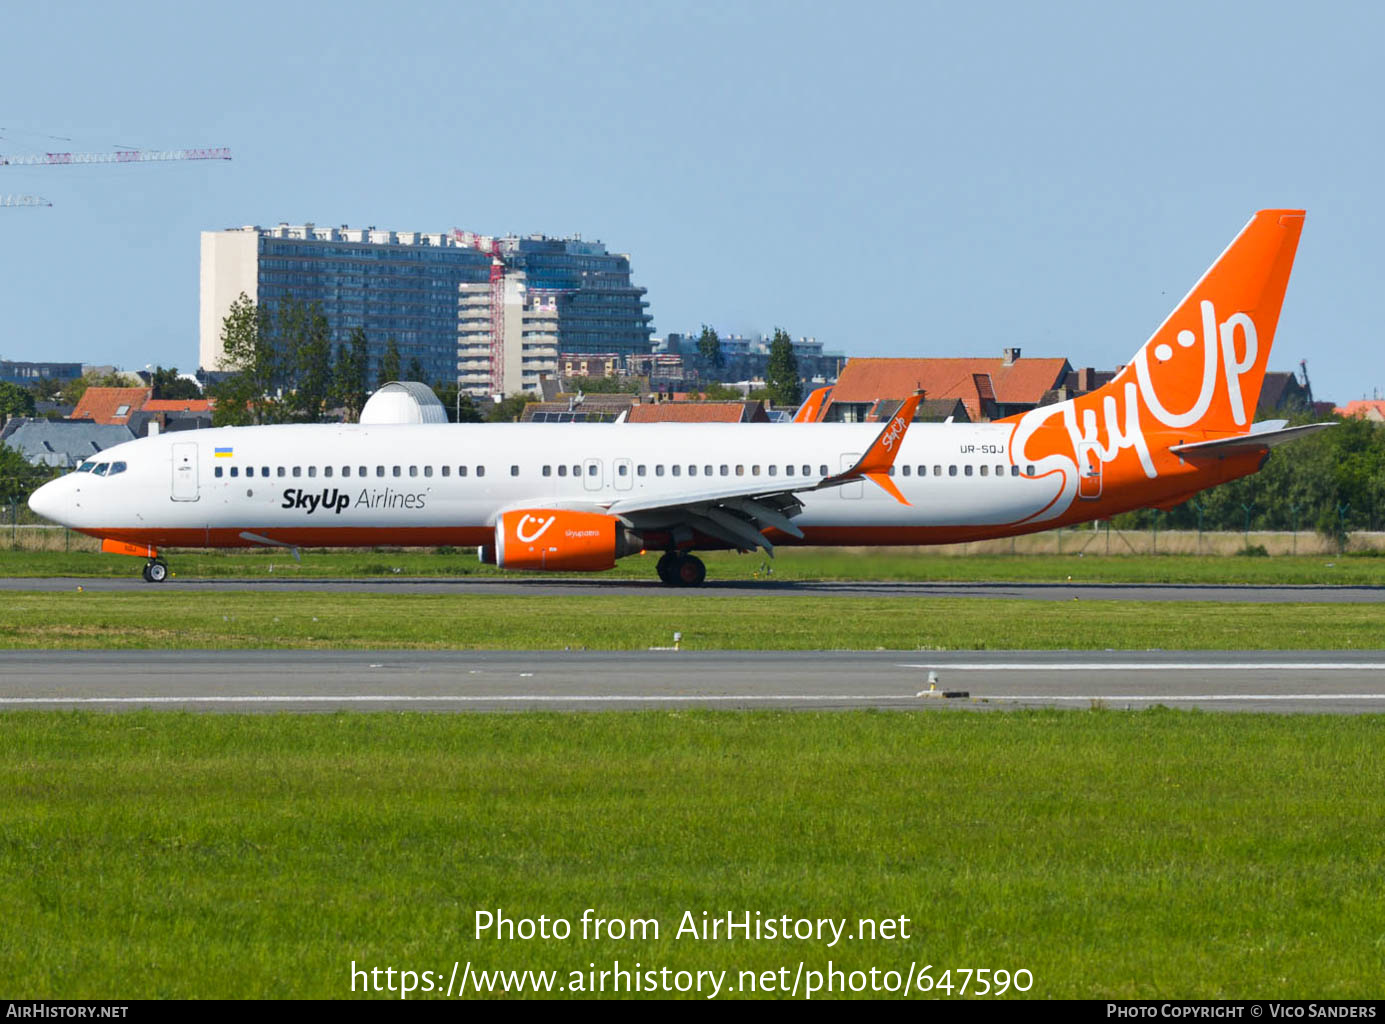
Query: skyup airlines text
[{"x": 339, "y": 501}]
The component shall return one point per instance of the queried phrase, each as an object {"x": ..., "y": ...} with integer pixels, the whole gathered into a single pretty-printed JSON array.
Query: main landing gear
[
  {"x": 155, "y": 571},
  {"x": 680, "y": 570}
]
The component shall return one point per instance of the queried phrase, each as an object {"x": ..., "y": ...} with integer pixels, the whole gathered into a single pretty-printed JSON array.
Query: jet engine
[{"x": 559, "y": 540}]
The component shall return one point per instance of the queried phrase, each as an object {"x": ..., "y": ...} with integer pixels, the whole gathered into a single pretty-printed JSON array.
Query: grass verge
[
  {"x": 790, "y": 564},
  {"x": 1156, "y": 854},
  {"x": 771, "y": 621}
]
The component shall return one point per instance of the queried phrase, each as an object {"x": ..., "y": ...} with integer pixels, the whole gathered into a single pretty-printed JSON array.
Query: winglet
[
  {"x": 879, "y": 458},
  {"x": 811, "y": 408}
]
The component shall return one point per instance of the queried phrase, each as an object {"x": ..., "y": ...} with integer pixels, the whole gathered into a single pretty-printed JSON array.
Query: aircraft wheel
[
  {"x": 145, "y": 572},
  {"x": 691, "y": 571},
  {"x": 156, "y": 571},
  {"x": 668, "y": 568}
]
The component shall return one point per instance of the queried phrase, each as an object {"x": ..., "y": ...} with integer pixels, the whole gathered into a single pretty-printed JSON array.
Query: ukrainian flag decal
[{"x": 222, "y": 453}]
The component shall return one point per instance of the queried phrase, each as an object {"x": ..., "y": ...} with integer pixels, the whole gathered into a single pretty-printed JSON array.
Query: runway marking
[
  {"x": 1189, "y": 697},
  {"x": 525, "y": 698},
  {"x": 1153, "y": 666}
]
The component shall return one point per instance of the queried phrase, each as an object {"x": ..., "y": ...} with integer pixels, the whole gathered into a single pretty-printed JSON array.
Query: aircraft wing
[
  {"x": 1256, "y": 440},
  {"x": 738, "y": 515}
]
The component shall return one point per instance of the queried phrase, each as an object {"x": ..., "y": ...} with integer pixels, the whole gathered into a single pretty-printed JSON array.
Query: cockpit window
[
  {"x": 86, "y": 467},
  {"x": 116, "y": 467},
  {"x": 101, "y": 468}
]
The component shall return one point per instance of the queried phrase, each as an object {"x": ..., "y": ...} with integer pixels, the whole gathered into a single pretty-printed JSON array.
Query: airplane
[{"x": 576, "y": 497}]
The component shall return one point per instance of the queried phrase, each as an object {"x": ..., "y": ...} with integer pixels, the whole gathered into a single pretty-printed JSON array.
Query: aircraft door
[
  {"x": 1088, "y": 471},
  {"x": 591, "y": 474},
  {"x": 625, "y": 475},
  {"x": 185, "y": 471},
  {"x": 857, "y": 487}
]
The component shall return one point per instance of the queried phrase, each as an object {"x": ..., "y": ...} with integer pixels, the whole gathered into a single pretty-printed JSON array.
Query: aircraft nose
[{"x": 50, "y": 501}]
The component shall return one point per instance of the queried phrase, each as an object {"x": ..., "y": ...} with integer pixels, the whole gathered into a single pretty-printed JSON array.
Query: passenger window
[
  {"x": 345, "y": 470},
  {"x": 985, "y": 470},
  {"x": 480, "y": 470},
  {"x": 951, "y": 470},
  {"x": 1014, "y": 471},
  {"x": 639, "y": 470},
  {"x": 822, "y": 470},
  {"x": 514, "y": 471},
  {"x": 235, "y": 470},
  {"x": 398, "y": 471},
  {"x": 1029, "y": 470},
  {"x": 890, "y": 471},
  {"x": 446, "y": 470},
  {"x": 906, "y": 470},
  {"x": 264, "y": 471},
  {"x": 547, "y": 470},
  {"x": 413, "y": 471},
  {"x": 807, "y": 470},
  {"x": 788, "y": 471},
  {"x": 326, "y": 471},
  {"x": 362, "y": 471},
  {"x": 706, "y": 470},
  {"x": 312, "y": 471},
  {"x": 923, "y": 471},
  {"x": 623, "y": 470},
  {"x": 591, "y": 470},
  {"x": 562, "y": 471},
  {"x": 1000, "y": 471},
  {"x": 740, "y": 471},
  {"x": 677, "y": 470},
  {"x": 297, "y": 470},
  {"x": 427, "y": 470},
  {"x": 754, "y": 470},
  {"x": 725, "y": 470},
  {"x": 692, "y": 471},
  {"x": 658, "y": 470},
  {"x": 461, "y": 471},
  {"x": 773, "y": 470},
  {"x": 938, "y": 471},
  {"x": 217, "y": 471},
  {"x": 576, "y": 470},
  {"x": 967, "y": 469},
  {"x": 379, "y": 470}
]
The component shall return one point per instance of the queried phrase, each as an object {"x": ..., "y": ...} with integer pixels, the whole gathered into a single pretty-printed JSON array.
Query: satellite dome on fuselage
[{"x": 403, "y": 401}]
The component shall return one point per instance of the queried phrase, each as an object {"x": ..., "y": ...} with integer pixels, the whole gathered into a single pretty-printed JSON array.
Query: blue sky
[{"x": 895, "y": 179}]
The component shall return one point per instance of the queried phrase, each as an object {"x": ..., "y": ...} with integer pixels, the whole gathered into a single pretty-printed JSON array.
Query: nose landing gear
[
  {"x": 680, "y": 570},
  {"x": 155, "y": 571}
]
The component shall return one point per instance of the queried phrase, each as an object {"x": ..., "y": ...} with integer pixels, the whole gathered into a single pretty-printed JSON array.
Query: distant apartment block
[
  {"x": 30, "y": 373},
  {"x": 432, "y": 294}
]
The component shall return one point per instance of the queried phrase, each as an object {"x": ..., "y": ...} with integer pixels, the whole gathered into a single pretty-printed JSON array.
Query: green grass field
[
  {"x": 1154, "y": 854},
  {"x": 770, "y": 621},
  {"x": 1360, "y": 569}
]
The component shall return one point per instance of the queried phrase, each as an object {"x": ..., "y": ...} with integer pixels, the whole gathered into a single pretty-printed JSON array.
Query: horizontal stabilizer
[{"x": 1254, "y": 441}]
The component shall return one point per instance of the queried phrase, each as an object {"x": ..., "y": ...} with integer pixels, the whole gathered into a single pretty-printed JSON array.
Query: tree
[
  {"x": 46, "y": 389},
  {"x": 389, "y": 364},
  {"x": 247, "y": 346},
  {"x": 312, "y": 362},
  {"x": 351, "y": 375},
  {"x": 18, "y": 479},
  {"x": 167, "y": 384},
  {"x": 709, "y": 348},
  {"x": 415, "y": 369},
  {"x": 508, "y": 409},
  {"x": 785, "y": 387},
  {"x": 14, "y": 401}
]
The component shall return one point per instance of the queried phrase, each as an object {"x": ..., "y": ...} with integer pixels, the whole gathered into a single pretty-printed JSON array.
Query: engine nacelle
[{"x": 559, "y": 540}]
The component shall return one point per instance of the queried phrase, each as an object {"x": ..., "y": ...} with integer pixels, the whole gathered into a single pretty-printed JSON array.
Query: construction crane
[
  {"x": 1307, "y": 387},
  {"x": 491, "y": 246},
  {"x": 120, "y": 156}
]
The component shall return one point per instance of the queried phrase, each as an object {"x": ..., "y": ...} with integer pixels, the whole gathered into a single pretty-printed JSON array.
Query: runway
[
  {"x": 726, "y": 588},
  {"x": 1276, "y": 681}
]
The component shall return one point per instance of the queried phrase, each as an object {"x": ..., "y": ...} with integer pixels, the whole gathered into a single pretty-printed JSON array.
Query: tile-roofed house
[
  {"x": 63, "y": 443},
  {"x": 177, "y": 405},
  {"x": 111, "y": 405},
  {"x": 1366, "y": 408},
  {"x": 987, "y": 388},
  {"x": 699, "y": 412}
]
